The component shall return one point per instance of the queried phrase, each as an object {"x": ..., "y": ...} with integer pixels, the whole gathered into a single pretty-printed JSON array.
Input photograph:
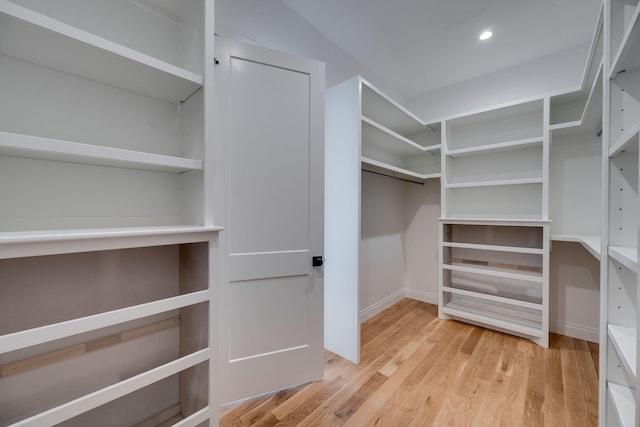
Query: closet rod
[{"x": 392, "y": 177}]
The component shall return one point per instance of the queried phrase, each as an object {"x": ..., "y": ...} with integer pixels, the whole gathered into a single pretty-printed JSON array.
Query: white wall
[
  {"x": 574, "y": 284},
  {"x": 551, "y": 74},
  {"x": 382, "y": 268},
  {"x": 421, "y": 240}
]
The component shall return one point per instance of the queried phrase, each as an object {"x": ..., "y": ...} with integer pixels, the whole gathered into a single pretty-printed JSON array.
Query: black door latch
[{"x": 317, "y": 261}]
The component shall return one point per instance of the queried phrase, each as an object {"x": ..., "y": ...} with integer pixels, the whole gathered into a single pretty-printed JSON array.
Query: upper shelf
[
  {"x": 19, "y": 244},
  {"x": 626, "y": 57},
  {"x": 625, "y": 255},
  {"x": 377, "y": 135},
  {"x": 384, "y": 110},
  {"x": 591, "y": 118},
  {"x": 17, "y": 145},
  {"x": 36, "y": 38},
  {"x": 501, "y": 146},
  {"x": 377, "y": 167}
]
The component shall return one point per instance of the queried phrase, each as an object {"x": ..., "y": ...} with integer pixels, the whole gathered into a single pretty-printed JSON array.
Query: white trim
[
  {"x": 428, "y": 297},
  {"x": 574, "y": 330},
  {"x": 381, "y": 305}
]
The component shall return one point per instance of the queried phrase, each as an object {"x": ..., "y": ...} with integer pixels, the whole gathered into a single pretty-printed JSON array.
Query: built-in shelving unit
[
  {"x": 576, "y": 156},
  {"x": 494, "y": 253},
  {"x": 619, "y": 270},
  {"x": 105, "y": 179},
  {"x": 394, "y": 140},
  {"x": 492, "y": 273}
]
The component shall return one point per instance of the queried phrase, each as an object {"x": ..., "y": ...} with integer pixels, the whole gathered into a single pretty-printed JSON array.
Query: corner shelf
[
  {"x": 626, "y": 57},
  {"x": 33, "y": 147},
  {"x": 623, "y": 401},
  {"x": 54, "y": 44},
  {"x": 624, "y": 341},
  {"x": 590, "y": 242},
  {"x": 375, "y": 166},
  {"x": 625, "y": 255}
]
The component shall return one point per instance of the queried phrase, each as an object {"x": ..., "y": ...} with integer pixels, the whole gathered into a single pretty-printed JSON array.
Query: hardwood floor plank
[{"x": 418, "y": 370}]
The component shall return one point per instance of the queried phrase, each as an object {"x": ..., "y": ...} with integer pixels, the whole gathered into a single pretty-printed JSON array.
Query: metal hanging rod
[{"x": 392, "y": 177}]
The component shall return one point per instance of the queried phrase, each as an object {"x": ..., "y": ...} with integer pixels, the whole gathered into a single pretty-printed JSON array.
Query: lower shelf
[
  {"x": 623, "y": 403},
  {"x": 518, "y": 319}
]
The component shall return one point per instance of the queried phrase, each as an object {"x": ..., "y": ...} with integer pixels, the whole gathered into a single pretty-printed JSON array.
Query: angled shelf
[
  {"x": 514, "y": 249},
  {"x": 39, "y": 39},
  {"x": 496, "y": 272},
  {"x": 626, "y": 57},
  {"x": 623, "y": 401},
  {"x": 590, "y": 242},
  {"x": 376, "y": 167},
  {"x": 625, "y": 255},
  {"x": 33, "y": 147},
  {"x": 624, "y": 341},
  {"x": 628, "y": 141},
  {"x": 493, "y": 298}
]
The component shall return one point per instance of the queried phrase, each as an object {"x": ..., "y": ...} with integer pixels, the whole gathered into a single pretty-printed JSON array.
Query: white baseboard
[
  {"x": 574, "y": 330},
  {"x": 421, "y": 296},
  {"x": 380, "y": 306},
  {"x": 387, "y": 302}
]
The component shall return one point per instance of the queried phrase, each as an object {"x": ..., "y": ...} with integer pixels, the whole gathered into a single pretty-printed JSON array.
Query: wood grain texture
[{"x": 418, "y": 370}]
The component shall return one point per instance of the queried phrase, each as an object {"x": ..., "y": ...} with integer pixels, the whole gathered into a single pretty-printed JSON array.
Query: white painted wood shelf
[
  {"x": 494, "y": 183},
  {"x": 590, "y": 242},
  {"x": 18, "y": 244},
  {"x": 625, "y": 255},
  {"x": 107, "y": 214},
  {"x": 623, "y": 402},
  {"x": 36, "y": 38},
  {"x": 394, "y": 171},
  {"x": 624, "y": 340},
  {"x": 500, "y": 146},
  {"x": 626, "y": 57},
  {"x": 33, "y": 147}
]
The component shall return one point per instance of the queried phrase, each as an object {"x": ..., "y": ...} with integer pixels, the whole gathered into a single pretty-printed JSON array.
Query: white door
[{"x": 269, "y": 165}]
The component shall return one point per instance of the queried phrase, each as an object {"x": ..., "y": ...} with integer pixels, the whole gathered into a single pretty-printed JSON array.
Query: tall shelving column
[
  {"x": 619, "y": 269},
  {"x": 494, "y": 231},
  {"x": 107, "y": 239},
  {"x": 366, "y": 131}
]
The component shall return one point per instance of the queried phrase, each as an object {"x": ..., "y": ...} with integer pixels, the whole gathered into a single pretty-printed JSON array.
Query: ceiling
[{"x": 423, "y": 45}]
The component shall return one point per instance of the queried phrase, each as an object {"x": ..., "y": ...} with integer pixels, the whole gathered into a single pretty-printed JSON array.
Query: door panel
[{"x": 269, "y": 198}]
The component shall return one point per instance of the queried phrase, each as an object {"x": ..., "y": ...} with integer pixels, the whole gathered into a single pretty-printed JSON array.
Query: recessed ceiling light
[{"x": 485, "y": 35}]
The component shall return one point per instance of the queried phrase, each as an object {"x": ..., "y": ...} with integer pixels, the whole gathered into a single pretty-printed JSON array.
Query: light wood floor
[{"x": 417, "y": 370}]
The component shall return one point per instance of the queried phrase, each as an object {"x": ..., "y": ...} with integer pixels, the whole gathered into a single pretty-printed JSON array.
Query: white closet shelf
[
  {"x": 623, "y": 401},
  {"x": 98, "y": 398},
  {"x": 501, "y": 146},
  {"x": 591, "y": 117},
  {"x": 487, "y": 315},
  {"x": 375, "y": 104},
  {"x": 625, "y": 255},
  {"x": 16, "y": 244},
  {"x": 385, "y": 168},
  {"x": 514, "y": 249},
  {"x": 590, "y": 242},
  {"x": 34, "y": 147},
  {"x": 626, "y": 58},
  {"x": 39, "y": 39},
  {"x": 626, "y": 140},
  {"x": 624, "y": 341},
  {"x": 516, "y": 181},
  {"x": 382, "y": 137},
  {"x": 518, "y": 222},
  {"x": 529, "y": 276},
  {"x": 493, "y": 298},
  {"x": 55, "y": 331}
]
